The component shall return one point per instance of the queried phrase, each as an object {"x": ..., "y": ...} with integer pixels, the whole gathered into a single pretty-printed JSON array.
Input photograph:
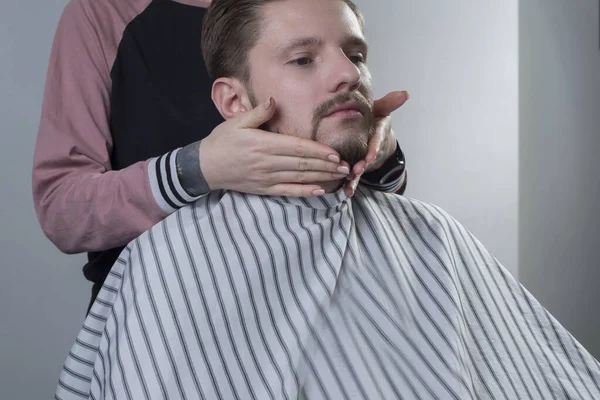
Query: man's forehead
[{"x": 311, "y": 21}]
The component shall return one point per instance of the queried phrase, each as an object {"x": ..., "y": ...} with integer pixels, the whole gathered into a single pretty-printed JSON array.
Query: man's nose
[{"x": 344, "y": 74}]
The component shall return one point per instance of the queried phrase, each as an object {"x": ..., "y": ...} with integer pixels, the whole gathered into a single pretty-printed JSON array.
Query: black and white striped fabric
[{"x": 374, "y": 297}]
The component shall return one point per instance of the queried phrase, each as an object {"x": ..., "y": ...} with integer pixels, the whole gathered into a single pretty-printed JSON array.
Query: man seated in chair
[{"x": 371, "y": 297}]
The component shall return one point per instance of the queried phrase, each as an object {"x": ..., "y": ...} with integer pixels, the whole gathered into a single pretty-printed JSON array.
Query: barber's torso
[{"x": 160, "y": 91}]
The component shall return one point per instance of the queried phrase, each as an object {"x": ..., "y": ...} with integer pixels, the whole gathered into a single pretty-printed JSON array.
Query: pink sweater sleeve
[{"x": 82, "y": 204}]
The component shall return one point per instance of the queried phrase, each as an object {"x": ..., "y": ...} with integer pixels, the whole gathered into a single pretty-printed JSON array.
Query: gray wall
[
  {"x": 559, "y": 175},
  {"x": 42, "y": 294}
]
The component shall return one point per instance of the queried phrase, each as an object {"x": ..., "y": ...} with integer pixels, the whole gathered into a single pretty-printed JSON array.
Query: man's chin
[{"x": 352, "y": 148}]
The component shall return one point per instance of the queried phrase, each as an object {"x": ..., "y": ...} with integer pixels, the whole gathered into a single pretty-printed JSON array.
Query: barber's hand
[
  {"x": 383, "y": 143},
  {"x": 239, "y": 156}
]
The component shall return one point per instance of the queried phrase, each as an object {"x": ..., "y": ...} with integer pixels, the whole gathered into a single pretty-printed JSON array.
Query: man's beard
[{"x": 352, "y": 148}]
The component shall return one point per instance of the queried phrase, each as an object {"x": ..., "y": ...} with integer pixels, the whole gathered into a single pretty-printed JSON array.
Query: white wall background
[
  {"x": 560, "y": 163},
  {"x": 460, "y": 131}
]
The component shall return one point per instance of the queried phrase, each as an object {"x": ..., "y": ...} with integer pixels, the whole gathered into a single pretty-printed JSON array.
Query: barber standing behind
[{"x": 120, "y": 146}]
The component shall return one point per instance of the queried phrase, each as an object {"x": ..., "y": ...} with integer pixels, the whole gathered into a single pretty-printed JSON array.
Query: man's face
[{"x": 311, "y": 58}]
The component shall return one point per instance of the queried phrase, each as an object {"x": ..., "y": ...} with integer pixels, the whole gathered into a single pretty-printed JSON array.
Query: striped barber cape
[{"x": 374, "y": 297}]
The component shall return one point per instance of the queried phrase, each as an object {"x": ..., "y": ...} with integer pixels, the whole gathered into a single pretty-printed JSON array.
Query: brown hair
[{"x": 230, "y": 30}]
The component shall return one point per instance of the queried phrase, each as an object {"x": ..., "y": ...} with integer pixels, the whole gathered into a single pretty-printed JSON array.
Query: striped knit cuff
[
  {"x": 165, "y": 184},
  {"x": 385, "y": 184}
]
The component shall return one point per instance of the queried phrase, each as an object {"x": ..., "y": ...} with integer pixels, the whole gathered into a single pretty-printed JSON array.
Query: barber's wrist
[
  {"x": 391, "y": 170},
  {"x": 189, "y": 171}
]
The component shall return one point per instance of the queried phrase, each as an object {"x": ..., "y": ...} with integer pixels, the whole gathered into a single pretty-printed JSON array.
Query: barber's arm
[
  {"x": 83, "y": 204},
  {"x": 391, "y": 177}
]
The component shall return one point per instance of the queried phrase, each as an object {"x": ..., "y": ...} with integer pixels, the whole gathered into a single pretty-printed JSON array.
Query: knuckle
[
  {"x": 286, "y": 191},
  {"x": 272, "y": 179},
  {"x": 302, "y": 165},
  {"x": 301, "y": 177},
  {"x": 270, "y": 147},
  {"x": 299, "y": 147},
  {"x": 261, "y": 146},
  {"x": 254, "y": 148},
  {"x": 258, "y": 167}
]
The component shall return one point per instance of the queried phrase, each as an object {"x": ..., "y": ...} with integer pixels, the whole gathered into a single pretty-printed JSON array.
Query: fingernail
[
  {"x": 319, "y": 192},
  {"x": 337, "y": 176},
  {"x": 343, "y": 170},
  {"x": 407, "y": 95},
  {"x": 334, "y": 158},
  {"x": 269, "y": 103}
]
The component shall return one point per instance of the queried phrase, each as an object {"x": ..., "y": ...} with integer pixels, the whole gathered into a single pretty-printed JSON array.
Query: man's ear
[{"x": 230, "y": 97}]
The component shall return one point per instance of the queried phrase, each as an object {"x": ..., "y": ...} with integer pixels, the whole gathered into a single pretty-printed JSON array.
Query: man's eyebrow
[
  {"x": 299, "y": 42},
  {"x": 356, "y": 41},
  {"x": 350, "y": 41}
]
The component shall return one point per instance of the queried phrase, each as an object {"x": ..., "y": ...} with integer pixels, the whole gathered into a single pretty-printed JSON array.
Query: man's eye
[
  {"x": 302, "y": 61},
  {"x": 357, "y": 59}
]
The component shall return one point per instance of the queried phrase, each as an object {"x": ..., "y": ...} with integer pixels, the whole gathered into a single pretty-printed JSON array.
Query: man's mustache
[{"x": 325, "y": 108}]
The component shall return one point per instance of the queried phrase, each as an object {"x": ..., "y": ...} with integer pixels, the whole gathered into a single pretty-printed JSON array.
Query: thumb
[
  {"x": 258, "y": 116},
  {"x": 389, "y": 103}
]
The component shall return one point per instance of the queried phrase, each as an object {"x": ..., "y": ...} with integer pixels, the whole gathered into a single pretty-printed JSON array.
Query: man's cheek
[
  {"x": 289, "y": 122},
  {"x": 366, "y": 89},
  {"x": 274, "y": 124}
]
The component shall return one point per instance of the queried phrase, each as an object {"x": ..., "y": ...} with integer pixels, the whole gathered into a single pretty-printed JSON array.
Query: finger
[
  {"x": 389, "y": 103},
  {"x": 374, "y": 146},
  {"x": 383, "y": 129},
  {"x": 359, "y": 168},
  {"x": 258, "y": 116},
  {"x": 350, "y": 187},
  {"x": 306, "y": 177},
  {"x": 352, "y": 175},
  {"x": 287, "y": 145},
  {"x": 295, "y": 190},
  {"x": 289, "y": 163},
  {"x": 345, "y": 164}
]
